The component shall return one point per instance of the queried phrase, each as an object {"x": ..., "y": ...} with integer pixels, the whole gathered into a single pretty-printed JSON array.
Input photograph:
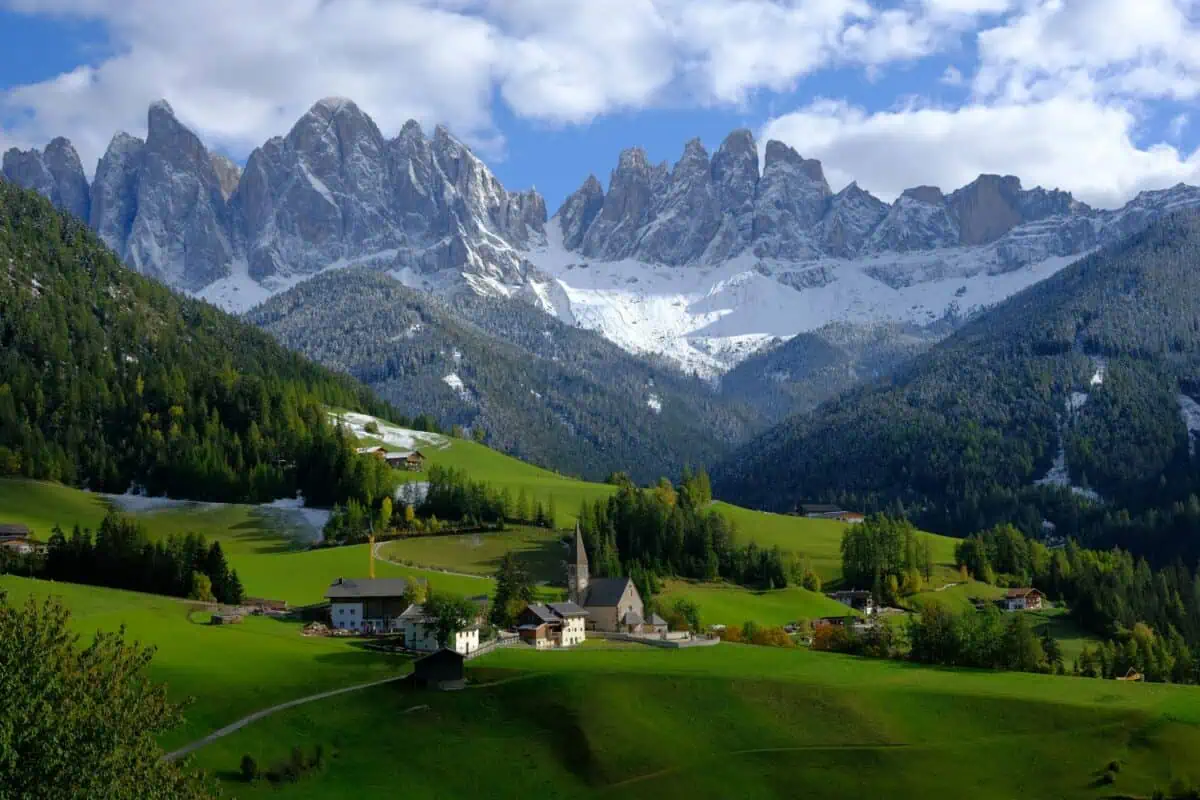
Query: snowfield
[
  {"x": 391, "y": 435},
  {"x": 709, "y": 318},
  {"x": 290, "y": 513}
]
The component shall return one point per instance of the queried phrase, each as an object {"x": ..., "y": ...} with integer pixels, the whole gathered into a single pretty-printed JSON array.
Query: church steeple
[{"x": 577, "y": 571}]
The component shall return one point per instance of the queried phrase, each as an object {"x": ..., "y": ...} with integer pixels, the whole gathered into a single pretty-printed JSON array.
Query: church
[{"x": 613, "y": 604}]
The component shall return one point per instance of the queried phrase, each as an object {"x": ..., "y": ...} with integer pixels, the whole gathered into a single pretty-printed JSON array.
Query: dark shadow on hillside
[
  {"x": 257, "y": 533},
  {"x": 355, "y": 657},
  {"x": 545, "y": 560}
]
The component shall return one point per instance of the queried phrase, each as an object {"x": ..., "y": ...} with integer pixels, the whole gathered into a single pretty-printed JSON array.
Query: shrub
[{"x": 249, "y": 768}]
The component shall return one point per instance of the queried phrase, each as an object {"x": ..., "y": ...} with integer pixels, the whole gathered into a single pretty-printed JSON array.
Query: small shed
[
  {"x": 439, "y": 668},
  {"x": 226, "y": 619}
]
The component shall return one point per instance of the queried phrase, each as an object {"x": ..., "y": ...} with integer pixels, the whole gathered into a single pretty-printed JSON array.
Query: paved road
[{"x": 266, "y": 712}]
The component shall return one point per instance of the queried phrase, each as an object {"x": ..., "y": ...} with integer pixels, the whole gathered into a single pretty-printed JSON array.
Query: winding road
[{"x": 188, "y": 749}]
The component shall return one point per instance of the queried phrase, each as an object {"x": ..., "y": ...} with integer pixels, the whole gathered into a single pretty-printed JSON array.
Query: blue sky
[{"x": 1094, "y": 96}]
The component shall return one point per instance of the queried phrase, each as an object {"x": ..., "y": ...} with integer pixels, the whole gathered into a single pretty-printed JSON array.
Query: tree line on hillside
[
  {"x": 120, "y": 555},
  {"x": 1148, "y": 619},
  {"x": 887, "y": 556},
  {"x": 109, "y": 380},
  {"x": 671, "y": 530},
  {"x": 451, "y": 501}
]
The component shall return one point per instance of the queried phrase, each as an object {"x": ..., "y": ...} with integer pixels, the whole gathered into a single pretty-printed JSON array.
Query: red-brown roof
[{"x": 1014, "y": 593}]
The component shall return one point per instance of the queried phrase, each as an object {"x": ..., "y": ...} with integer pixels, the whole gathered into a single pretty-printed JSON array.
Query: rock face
[
  {"x": 706, "y": 211},
  {"x": 334, "y": 190},
  {"x": 56, "y": 173}
]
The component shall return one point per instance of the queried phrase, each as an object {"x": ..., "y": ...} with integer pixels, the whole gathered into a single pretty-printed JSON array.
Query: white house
[
  {"x": 1023, "y": 600},
  {"x": 553, "y": 625},
  {"x": 858, "y": 599},
  {"x": 366, "y": 605},
  {"x": 419, "y": 630}
]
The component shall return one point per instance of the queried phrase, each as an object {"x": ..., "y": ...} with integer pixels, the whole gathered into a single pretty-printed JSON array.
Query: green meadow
[
  {"x": 540, "y": 550},
  {"x": 726, "y": 604},
  {"x": 731, "y": 721},
  {"x": 230, "y": 670}
]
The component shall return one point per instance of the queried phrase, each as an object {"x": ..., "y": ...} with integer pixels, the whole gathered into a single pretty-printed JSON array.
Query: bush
[{"x": 249, "y": 768}]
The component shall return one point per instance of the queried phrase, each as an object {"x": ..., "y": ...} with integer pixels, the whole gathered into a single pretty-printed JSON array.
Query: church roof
[
  {"x": 605, "y": 591},
  {"x": 580, "y": 552}
]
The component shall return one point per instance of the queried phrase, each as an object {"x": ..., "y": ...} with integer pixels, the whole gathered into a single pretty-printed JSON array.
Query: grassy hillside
[
  {"x": 733, "y": 721},
  {"x": 722, "y": 603},
  {"x": 540, "y": 550},
  {"x": 231, "y": 670},
  {"x": 270, "y": 559},
  {"x": 818, "y": 539}
]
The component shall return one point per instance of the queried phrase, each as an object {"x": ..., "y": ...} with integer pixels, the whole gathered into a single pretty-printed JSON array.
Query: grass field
[
  {"x": 540, "y": 551},
  {"x": 732, "y": 721},
  {"x": 231, "y": 670},
  {"x": 732, "y": 605},
  {"x": 818, "y": 539}
]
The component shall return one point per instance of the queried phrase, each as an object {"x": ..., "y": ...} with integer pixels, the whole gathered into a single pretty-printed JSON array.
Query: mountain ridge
[{"x": 334, "y": 191}]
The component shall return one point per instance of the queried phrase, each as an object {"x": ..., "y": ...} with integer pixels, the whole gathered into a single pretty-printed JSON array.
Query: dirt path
[
  {"x": 379, "y": 556},
  {"x": 266, "y": 712}
]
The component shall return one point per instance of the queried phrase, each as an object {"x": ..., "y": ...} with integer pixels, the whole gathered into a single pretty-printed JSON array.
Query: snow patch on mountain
[
  {"x": 1190, "y": 410},
  {"x": 456, "y": 383},
  {"x": 391, "y": 435},
  {"x": 708, "y": 318},
  {"x": 654, "y": 403}
]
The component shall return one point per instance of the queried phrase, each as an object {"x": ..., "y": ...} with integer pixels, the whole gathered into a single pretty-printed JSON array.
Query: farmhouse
[
  {"x": 612, "y": 604},
  {"x": 825, "y": 511},
  {"x": 413, "y": 461},
  {"x": 440, "y": 669},
  {"x": 419, "y": 630},
  {"x": 553, "y": 625},
  {"x": 858, "y": 599},
  {"x": 1023, "y": 600},
  {"x": 19, "y": 539},
  {"x": 369, "y": 605}
]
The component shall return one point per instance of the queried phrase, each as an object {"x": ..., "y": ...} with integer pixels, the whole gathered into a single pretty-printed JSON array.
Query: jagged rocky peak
[
  {"x": 114, "y": 190},
  {"x": 686, "y": 215},
  {"x": 853, "y": 214},
  {"x": 929, "y": 195},
  {"x": 228, "y": 174},
  {"x": 987, "y": 208},
  {"x": 792, "y": 198},
  {"x": 578, "y": 211},
  {"x": 633, "y": 190},
  {"x": 56, "y": 173},
  {"x": 181, "y": 230}
]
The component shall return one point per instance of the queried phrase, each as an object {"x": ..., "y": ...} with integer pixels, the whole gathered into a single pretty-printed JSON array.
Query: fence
[
  {"x": 656, "y": 640},
  {"x": 494, "y": 644}
]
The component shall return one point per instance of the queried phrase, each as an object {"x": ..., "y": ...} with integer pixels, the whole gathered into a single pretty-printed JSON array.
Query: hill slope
[
  {"x": 543, "y": 391},
  {"x": 108, "y": 378},
  {"x": 1080, "y": 384}
]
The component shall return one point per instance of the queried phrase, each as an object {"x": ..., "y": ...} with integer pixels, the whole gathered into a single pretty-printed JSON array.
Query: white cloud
[
  {"x": 1177, "y": 126},
  {"x": 952, "y": 76},
  {"x": 239, "y": 71},
  {"x": 1068, "y": 143}
]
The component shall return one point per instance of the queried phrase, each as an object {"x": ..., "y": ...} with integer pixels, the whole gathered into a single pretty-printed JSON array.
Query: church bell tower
[{"x": 577, "y": 571}]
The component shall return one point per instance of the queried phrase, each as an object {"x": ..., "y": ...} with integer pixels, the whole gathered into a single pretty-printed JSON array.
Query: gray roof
[
  {"x": 568, "y": 609},
  {"x": 543, "y": 613},
  {"x": 605, "y": 591},
  {"x": 632, "y": 618},
  {"x": 14, "y": 530},
  {"x": 655, "y": 619},
  {"x": 363, "y": 588}
]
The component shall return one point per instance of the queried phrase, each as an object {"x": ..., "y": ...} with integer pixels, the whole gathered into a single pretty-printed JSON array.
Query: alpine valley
[{"x": 741, "y": 268}]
